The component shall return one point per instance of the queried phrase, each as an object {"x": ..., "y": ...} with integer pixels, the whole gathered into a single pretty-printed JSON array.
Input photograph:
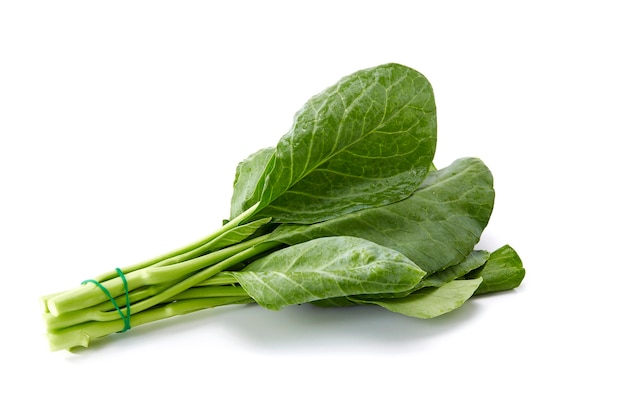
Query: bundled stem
[
  {"x": 179, "y": 282},
  {"x": 324, "y": 191},
  {"x": 82, "y": 334}
]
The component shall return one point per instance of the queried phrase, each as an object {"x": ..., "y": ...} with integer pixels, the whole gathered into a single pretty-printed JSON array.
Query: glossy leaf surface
[
  {"x": 326, "y": 268},
  {"x": 364, "y": 142},
  {"x": 436, "y": 227}
]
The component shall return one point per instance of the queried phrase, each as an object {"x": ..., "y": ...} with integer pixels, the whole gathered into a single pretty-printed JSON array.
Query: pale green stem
[
  {"x": 90, "y": 295},
  {"x": 164, "y": 295},
  {"x": 130, "y": 270},
  {"x": 101, "y": 313},
  {"x": 215, "y": 235},
  {"x": 83, "y": 334},
  {"x": 204, "y": 275}
]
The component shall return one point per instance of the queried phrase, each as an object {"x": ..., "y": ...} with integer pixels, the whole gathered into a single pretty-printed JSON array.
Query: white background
[{"x": 121, "y": 124}]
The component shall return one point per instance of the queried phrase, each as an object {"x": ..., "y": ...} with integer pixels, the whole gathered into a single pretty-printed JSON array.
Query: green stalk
[
  {"x": 205, "y": 274},
  {"x": 90, "y": 295},
  {"x": 102, "y": 311},
  {"x": 99, "y": 311},
  {"x": 180, "y": 298},
  {"x": 207, "y": 239},
  {"x": 210, "y": 246},
  {"x": 48, "y": 305},
  {"x": 83, "y": 334},
  {"x": 219, "y": 279}
]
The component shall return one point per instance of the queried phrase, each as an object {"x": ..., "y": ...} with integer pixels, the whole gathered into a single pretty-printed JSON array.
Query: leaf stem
[
  {"x": 90, "y": 295},
  {"x": 77, "y": 327},
  {"x": 83, "y": 334},
  {"x": 180, "y": 251},
  {"x": 102, "y": 311}
]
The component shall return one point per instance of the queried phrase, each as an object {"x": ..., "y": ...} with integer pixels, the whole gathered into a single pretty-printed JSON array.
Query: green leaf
[
  {"x": 436, "y": 227},
  {"x": 503, "y": 271},
  {"x": 364, "y": 142},
  {"x": 429, "y": 302},
  {"x": 474, "y": 260},
  {"x": 326, "y": 268},
  {"x": 247, "y": 176},
  {"x": 236, "y": 235}
]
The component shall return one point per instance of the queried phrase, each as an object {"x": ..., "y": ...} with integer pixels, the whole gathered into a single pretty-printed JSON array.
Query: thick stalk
[
  {"x": 83, "y": 334},
  {"x": 89, "y": 295},
  {"x": 129, "y": 270},
  {"x": 80, "y": 334},
  {"x": 205, "y": 274},
  {"x": 101, "y": 312}
]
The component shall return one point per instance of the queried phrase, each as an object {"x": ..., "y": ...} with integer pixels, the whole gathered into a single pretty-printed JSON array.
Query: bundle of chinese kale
[{"x": 346, "y": 209}]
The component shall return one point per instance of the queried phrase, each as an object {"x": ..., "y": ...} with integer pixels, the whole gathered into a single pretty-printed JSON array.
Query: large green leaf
[
  {"x": 364, "y": 142},
  {"x": 429, "y": 302},
  {"x": 326, "y": 268},
  {"x": 436, "y": 227}
]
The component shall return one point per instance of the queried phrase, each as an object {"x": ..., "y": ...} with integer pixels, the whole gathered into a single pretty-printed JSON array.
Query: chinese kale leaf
[
  {"x": 326, "y": 268},
  {"x": 364, "y": 142}
]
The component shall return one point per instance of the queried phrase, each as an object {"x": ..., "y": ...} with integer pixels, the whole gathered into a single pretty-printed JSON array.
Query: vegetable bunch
[{"x": 347, "y": 209}]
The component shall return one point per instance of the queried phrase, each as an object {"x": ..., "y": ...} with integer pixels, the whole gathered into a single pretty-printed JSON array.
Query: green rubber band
[{"x": 125, "y": 317}]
